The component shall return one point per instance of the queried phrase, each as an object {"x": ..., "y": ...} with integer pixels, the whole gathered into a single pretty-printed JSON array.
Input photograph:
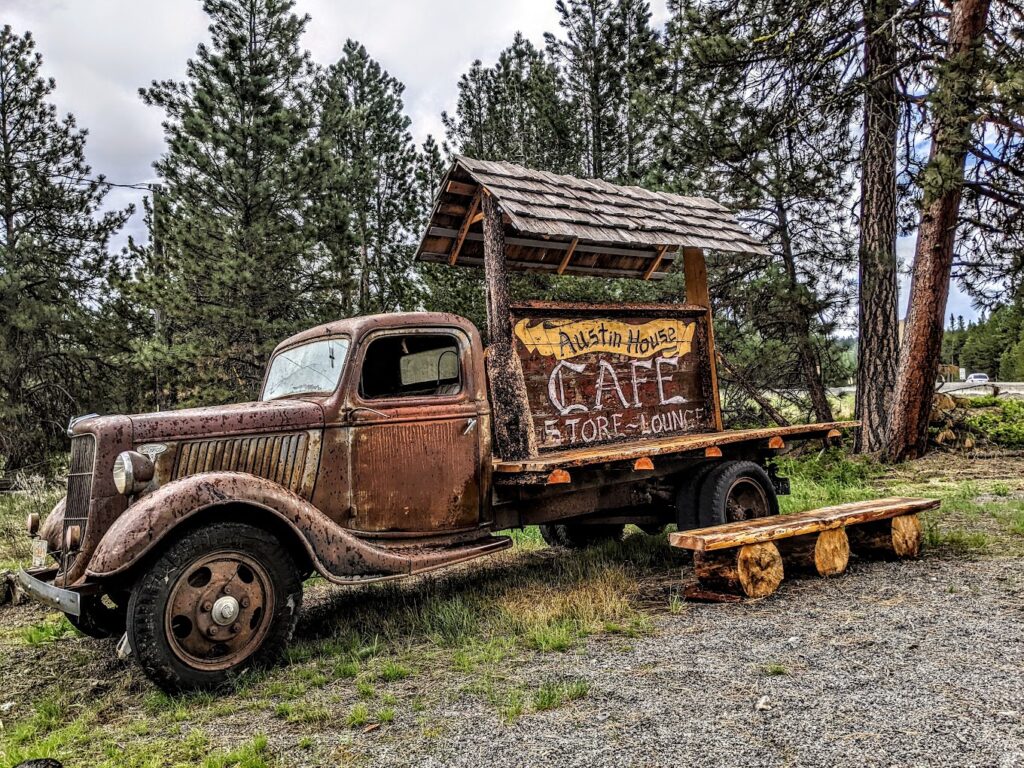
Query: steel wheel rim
[
  {"x": 219, "y": 610},
  {"x": 745, "y": 500}
]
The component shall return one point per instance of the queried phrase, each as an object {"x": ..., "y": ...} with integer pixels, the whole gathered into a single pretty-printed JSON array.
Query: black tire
[
  {"x": 687, "y": 499},
  {"x": 736, "y": 490},
  {"x": 170, "y": 647},
  {"x": 101, "y": 616},
  {"x": 579, "y": 536}
]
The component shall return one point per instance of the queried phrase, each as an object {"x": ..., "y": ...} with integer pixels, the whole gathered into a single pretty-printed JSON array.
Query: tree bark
[
  {"x": 878, "y": 310},
  {"x": 897, "y": 537},
  {"x": 513, "y": 424},
  {"x": 955, "y": 104}
]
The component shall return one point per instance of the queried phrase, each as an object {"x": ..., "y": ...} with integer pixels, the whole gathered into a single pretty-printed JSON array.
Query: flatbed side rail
[{"x": 636, "y": 449}]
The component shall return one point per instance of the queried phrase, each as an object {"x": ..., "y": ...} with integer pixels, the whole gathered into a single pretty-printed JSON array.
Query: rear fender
[{"x": 337, "y": 554}]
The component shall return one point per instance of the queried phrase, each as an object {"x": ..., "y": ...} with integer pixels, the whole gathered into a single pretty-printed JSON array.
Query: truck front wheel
[{"x": 221, "y": 598}]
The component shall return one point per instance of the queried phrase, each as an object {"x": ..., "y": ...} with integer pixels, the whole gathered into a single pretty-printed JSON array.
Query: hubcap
[
  {"x": 746, "y": 500},
  {"x": 225, "y": 610},
  {"x": 219, "y": 610}
]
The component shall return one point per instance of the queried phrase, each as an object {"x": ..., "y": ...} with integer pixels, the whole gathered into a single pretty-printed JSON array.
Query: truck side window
[{"x": 413, "y": 365}]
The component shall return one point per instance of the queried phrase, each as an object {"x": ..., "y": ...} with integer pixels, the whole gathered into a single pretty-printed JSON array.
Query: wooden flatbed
[{"x": 673, "y": 444}]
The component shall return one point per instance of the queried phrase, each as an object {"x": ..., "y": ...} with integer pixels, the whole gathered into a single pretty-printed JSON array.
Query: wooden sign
[{"x": 600, "y": 374}]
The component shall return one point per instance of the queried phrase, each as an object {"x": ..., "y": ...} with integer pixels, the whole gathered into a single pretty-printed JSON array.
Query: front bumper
[{"x": 64, "y": 600}]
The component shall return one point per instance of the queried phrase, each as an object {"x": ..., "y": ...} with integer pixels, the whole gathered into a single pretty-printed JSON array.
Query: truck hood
[{"x": 240, "y": 418}]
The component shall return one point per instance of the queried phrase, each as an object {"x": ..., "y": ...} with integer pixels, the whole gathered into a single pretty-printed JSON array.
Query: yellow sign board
[{"x": 566, "y": 339}]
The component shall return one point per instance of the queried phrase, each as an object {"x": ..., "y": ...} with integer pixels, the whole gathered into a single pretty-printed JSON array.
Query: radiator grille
[
  {"x": 76, "y": 507},
  {"x": 281, "y": 458}
]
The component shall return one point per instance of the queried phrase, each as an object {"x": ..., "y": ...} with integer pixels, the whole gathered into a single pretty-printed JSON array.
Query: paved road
[{"x": 958, "y": 388}]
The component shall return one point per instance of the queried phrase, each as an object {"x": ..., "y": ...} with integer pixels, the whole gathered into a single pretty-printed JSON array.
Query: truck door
[{"x": 415, "y": 437}]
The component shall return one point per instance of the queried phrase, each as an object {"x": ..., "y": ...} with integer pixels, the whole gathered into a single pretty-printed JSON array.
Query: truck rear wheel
[
  {"x": 578, "y": 535},
  {"x": 734, "y": 491},
  {"x": 219, "y": 599},
  {"x": 687, "y": 499}
]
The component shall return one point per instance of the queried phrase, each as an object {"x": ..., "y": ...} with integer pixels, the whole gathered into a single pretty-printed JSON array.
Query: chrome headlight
[{"x": 132, "y": 472}]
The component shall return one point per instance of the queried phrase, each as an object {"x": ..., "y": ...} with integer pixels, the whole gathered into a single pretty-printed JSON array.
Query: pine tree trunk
[
  {"x": 801, "y": 329},
  {"x": 954, "y": 104},
  {"x": 878, "y": 343}
]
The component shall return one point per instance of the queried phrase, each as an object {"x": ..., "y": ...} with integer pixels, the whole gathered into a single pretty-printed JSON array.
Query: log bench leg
[
  {"x": 826, "y": 553},
  {"x": 754, "y": 570},
  {"x": 897, "y": 537}
]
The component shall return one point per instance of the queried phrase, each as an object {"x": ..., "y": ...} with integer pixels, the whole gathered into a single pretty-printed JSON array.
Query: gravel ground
[{"x": 901, "y": 664}]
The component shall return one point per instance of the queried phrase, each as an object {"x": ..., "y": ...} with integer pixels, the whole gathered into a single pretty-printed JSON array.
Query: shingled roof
[{"x": 604, "y": 229}]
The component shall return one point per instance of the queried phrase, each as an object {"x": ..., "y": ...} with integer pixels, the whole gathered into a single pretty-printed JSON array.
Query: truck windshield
[{"x": 310, "y": 368}]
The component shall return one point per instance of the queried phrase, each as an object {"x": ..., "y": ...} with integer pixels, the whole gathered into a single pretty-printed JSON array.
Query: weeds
[
  {"x": 554, "y": 694},
  {"x": 52, "y": 629},
  {"x": 357, "y": 716}
]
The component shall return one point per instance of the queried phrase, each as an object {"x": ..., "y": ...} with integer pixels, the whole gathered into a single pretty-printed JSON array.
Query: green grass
[
  {"x": 357, "y": 716},
  {"x": 15, "y": 544},
  {"x": 346, "y": 666},
  {"x": 391, "y": 671},
  {"x": 554, "y": 694},
  {"x": 53, "y": 628}
]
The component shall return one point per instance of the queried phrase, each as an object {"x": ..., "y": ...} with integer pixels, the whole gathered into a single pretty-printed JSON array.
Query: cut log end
[
  {"x": 900, "y": 537},
  {"x": 831, "y": 552},
  {"x": 754, "y": 570},
  {"x": 826, "y": 553}
]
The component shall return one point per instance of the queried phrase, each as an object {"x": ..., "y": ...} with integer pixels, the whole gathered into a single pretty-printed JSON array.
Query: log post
[
  {"x": 897, "y": 537},
  {"x": 513, "y": 424},
  {"x": 826, "y": 553},
  {"x": 754, "y": 570},
  {"x": 695, "y": 274}
]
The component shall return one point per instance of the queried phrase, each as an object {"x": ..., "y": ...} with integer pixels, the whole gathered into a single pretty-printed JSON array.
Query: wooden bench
[{"x": 747, "y": 557}]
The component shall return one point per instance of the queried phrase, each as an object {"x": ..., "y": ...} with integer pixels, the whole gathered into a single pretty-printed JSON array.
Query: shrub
[{"x": 1003, "y": 426}]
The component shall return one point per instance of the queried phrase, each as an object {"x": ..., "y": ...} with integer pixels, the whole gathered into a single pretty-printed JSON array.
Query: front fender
[
  {"x": 335, "y": 552},
  {"x": 53, "y": 527}
]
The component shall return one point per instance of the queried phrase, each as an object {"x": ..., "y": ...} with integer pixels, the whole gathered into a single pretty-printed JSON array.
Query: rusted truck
[{"x": 396, "y": 444}]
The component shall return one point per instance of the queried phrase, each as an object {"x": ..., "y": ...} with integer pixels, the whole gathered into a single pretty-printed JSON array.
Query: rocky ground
[{"x": 904, "y": 664}]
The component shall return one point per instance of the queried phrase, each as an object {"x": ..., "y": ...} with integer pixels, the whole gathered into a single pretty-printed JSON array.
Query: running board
[{"x": 421, "y": 558}]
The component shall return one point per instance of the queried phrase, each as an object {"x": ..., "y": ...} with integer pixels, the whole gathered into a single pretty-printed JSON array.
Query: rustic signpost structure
[{"x": 504, "y": 217}]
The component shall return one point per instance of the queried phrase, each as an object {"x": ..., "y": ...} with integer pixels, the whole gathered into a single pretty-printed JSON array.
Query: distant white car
[{"x": 977, "y": 378}]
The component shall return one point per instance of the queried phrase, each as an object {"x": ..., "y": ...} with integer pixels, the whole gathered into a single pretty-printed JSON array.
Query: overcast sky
[{"x": 102, "y": 51}]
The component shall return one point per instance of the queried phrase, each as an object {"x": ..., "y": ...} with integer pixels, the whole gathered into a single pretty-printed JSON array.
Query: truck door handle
[
  {"x": 469, "y": 425},
  {"x": 371, "y": 410}
]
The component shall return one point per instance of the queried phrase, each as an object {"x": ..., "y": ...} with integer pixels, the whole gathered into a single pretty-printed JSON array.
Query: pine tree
[
  {"x": 235, "y": 267},
  {"x": 53, "y": 260},
  {"x": 750, "y": 121},
  {"x": 878, "y": 311},
  {"x": 514, "y": 111},
  {"x": 590, "y": 61},
  {"x": 374, "y": 161},
  {"x": 955, "y": 102}
]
